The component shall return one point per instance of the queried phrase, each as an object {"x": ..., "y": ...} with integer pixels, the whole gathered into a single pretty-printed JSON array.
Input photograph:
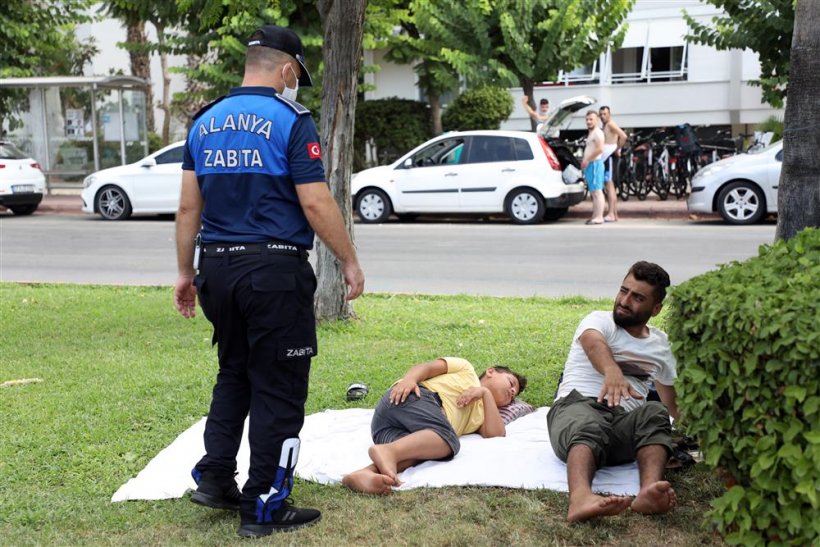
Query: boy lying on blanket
[{"x": 422, "y": 415}]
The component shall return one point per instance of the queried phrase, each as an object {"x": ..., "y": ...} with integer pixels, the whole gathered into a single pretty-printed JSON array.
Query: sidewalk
[{"x": 651, "y": 208}]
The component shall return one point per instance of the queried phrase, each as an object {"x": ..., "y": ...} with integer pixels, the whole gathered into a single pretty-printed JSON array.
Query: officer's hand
[
  {"x": 185, "y": 296},
  {"x": 354, "y": 277},
  {"x": 403, "y": 388}
]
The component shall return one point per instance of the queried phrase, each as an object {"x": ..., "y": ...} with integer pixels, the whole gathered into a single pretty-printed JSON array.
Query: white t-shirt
[{"x": 642, "y": 360}]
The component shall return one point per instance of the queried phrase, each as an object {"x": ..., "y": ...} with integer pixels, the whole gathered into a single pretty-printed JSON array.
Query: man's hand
[
  {"x": 584, "y": 163},
  {"x": 185, "y": 296},
  {"x": 616, "y": 387},
  {"x": 525, "y": 99},
  {"x": 402, "y": 389},
  {"x": 470, "y": 395},
  {"x": 354, "y": 277}
]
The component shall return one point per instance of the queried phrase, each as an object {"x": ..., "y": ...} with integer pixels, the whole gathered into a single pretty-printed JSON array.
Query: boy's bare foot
[
  {"x": 384, "y": 462},
  {"x": 368, "y": 482},
  {"x": 596, "y": 506},
  {"x": 658, "y": 497}
]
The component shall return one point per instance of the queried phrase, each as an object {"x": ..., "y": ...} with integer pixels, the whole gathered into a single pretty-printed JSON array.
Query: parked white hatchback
[
  {"x": 511, "y": 172},
  {"x": 741, "y": 188},
  {"x": 149, "y": 186},
  {"x": 22, "y": 183}
]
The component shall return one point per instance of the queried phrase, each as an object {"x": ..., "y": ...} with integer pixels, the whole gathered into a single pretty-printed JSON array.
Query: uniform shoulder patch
[
  {"x": 206, "y": 107},
  {"x": 296, "y": 107}
]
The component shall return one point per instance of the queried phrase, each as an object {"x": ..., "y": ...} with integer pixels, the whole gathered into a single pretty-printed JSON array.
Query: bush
[
  {"x": 478, "y": 108},
  {"x": 392, "y": 127},
  {"x": 748, "y": 345}
]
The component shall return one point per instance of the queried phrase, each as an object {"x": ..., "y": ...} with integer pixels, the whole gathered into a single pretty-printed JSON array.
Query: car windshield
[{"x": 10, "y": 152}]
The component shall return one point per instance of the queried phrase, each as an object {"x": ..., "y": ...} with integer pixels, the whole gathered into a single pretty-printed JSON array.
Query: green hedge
[
  {"x": 478, "y": 108},
  {"x": 748, "y": 347},
  {"x": 393, "y": 126}
]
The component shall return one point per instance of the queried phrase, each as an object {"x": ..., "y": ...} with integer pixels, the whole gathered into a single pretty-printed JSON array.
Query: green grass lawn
[{"x": 123, "y": 374}]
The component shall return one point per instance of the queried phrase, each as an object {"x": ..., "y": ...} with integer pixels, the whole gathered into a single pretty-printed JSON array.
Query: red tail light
[
  {"x": 2, "y": 165},
  {"x": 35, "y": 165},
  {"x": 551, "y": 157}
]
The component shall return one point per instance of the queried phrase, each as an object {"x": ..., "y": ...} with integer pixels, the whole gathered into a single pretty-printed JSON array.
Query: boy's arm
[
  {"x": 410, "y": 382},
  {"x": 493, "y": 425}
]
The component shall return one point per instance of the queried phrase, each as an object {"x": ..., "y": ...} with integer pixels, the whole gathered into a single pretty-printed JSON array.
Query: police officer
[{"x": 253, "y": 193}]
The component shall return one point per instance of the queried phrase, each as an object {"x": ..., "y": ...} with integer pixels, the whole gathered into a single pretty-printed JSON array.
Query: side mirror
[
  {"x": 148, "y": 162},
  {"x": 408, "y": 163}
]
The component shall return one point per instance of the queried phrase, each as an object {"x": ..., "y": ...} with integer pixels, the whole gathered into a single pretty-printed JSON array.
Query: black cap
[{"x": 285, "y": 40}]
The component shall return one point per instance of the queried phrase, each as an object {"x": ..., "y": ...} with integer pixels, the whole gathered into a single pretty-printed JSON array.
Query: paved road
[{"x": 488, "y": 258}]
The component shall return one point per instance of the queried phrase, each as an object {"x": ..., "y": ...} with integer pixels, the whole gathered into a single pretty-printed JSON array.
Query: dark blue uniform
[{"x": 255, "y": 285}]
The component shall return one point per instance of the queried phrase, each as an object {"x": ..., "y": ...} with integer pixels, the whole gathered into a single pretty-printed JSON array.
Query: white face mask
[{"x": 290, "y": 92}]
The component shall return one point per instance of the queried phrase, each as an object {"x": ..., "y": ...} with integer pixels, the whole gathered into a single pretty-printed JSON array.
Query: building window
[
  {"x": 588, "y": 74},
  {"x": 628, "y": 65},
  {"x": 667, "y": 64}
]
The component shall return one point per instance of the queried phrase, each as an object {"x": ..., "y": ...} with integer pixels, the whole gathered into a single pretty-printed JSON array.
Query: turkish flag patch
[{"x": 314, "y": 151}]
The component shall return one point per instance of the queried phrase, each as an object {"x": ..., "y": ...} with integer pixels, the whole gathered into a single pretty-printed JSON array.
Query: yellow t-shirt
[{"x": 460, "y": 376}]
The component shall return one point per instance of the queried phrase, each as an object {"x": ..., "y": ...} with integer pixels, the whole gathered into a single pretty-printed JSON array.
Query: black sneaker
[
  {"x": 285, "y": 519},
  {"x": 216, "y": 492}
]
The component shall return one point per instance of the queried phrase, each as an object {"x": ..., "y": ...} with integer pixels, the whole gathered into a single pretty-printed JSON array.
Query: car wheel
[
  {"x": 23, "y": 210},
  {"x": 113, "y": 203},
  {"x": 555, "y": 213},
  {"x": 373, "y": 206},
  {"x": 525, "y": 206},
  {"x": 741, "y": 203}
]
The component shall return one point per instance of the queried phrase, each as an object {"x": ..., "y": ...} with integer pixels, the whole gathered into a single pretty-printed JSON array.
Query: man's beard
[{"x": 630, "y": 320}]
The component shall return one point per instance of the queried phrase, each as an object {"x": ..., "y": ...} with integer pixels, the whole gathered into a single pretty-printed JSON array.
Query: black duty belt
[{"x": 270, "y": 247}]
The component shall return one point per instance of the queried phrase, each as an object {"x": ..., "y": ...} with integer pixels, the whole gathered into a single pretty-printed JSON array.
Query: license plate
[{"x": 22, "y": 189}]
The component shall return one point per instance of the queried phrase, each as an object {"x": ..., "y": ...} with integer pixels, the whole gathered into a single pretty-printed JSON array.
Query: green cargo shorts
[{"x": 613, "y": 434}]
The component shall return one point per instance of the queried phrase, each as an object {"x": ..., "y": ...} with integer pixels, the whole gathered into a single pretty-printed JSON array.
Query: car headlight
[{"x": 88, "y": 181}]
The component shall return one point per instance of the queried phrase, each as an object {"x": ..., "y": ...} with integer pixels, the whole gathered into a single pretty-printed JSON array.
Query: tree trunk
[
  {"x": 435, "y": 112},
  {"x": 528, "y": 87},
  {"x": 343, "y": 23},
  {"x": 798, "y": 199},
  {"x": 141, "y": 67},
  {"x": 166, "y": 85}
]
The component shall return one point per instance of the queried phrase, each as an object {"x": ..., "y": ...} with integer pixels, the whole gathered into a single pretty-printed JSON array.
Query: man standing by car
[
  {"x": 543, "y": 110},
  {"x": 614, "y": 140},
  {"x": 254, "y": 188},
  {"x": 593, "y": 167}
]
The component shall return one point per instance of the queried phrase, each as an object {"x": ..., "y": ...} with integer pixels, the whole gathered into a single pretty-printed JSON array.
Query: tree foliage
[
  {"x": 521, "y": 42},
  {"x": 764, "y": 26},
  {"x": 483, "y": 107}
]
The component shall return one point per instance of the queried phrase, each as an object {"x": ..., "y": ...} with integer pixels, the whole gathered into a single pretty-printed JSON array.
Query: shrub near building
[
  {"x": 748, "y": 347},
  {"x": 478, "y": 108}
]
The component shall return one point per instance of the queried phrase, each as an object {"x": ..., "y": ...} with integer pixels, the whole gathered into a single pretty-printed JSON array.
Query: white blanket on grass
[{"x": 335, "y": 442}]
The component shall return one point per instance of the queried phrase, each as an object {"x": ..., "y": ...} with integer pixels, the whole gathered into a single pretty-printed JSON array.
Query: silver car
[{"x": 742, "y": 189}]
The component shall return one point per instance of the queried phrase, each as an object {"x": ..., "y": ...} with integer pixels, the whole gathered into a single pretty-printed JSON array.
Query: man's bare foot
[
  {"x": 596, "y": 506},
  {"x": 368, "y": 482},
  {"x": 658, "y": 497},
  {"x": 384, "y": 462},
  {"x": 610, "y": 218}
]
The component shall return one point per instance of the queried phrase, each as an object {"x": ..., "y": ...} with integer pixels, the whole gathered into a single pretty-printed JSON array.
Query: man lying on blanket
[
  {"x": 601, "y": 415},
  {"x": 422, "y": 415}
]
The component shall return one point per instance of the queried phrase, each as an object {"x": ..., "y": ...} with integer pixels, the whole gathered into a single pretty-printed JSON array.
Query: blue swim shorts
[{"x": 594, "y": 175}]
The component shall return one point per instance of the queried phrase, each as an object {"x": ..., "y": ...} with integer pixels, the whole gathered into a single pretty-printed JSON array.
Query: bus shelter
[{"x": 75, "y": 125}]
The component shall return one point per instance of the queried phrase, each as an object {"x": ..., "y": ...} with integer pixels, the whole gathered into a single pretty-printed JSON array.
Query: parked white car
[
  {"x": 484, "y": 172},
  {"x": 741, "y": 188},
  {"x": 149, "y": 186},
  {"x": 22, "y": 183}
]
